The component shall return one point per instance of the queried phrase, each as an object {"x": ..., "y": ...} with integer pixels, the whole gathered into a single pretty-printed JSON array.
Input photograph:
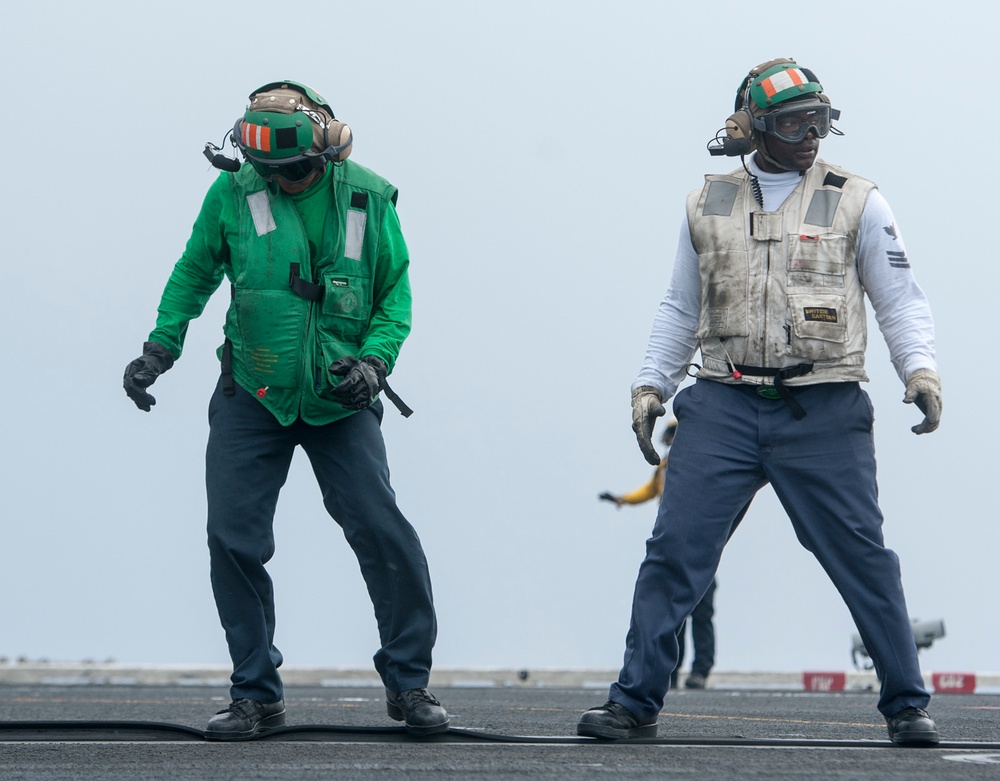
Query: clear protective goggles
[{"x": 792, "y": 124}]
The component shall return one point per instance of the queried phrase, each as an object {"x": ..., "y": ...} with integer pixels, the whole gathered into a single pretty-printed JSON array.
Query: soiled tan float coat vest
[{"x": 781, "y": 288}]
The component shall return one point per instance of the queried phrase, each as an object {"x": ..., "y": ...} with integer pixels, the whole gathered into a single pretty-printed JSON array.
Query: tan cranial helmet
[
  {"x": 290, "y": 131},
  {"x": 289, "y": 97}
]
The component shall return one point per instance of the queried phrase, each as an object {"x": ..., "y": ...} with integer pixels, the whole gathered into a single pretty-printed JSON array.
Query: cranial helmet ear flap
[
  {"x": 340, "y": 138},
  {"x": 738, "y": 139},
  {"x": 739, "y": 130}
]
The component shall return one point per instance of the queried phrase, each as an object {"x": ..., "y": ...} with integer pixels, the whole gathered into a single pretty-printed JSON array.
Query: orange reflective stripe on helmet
[
  {"x": 777, "y": 82},
  {"x": 257, "y": 137}
]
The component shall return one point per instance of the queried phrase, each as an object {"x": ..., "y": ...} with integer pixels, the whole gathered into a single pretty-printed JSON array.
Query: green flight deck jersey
[{"x": 315, "y": 276}]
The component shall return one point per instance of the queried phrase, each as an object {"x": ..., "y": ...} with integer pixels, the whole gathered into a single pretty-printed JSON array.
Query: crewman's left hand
[
  {"x": 923, "y": 388},
  {"x": 362, "y": 380}
]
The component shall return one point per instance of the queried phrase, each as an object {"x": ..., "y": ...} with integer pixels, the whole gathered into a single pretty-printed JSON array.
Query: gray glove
[
  {"x": 143, "y": 371},
  {"x": 646, "y": 408},
  {"x": 923, "y": 388}
]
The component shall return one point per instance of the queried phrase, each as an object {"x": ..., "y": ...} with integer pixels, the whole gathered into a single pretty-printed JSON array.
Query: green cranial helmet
[
  {"x": 776, "y": 81},
  {"x": 289, "y": 130},
  {"x": 784, "y": 100}
]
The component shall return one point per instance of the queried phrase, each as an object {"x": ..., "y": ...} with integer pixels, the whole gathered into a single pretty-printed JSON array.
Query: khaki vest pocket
[
  {"x": 817, "y": 261},
  {"x": 819, "y": 326}
]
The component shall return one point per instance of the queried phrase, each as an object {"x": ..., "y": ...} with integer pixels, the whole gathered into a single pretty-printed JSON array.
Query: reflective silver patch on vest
[
  {"x": 355, "y": 234},
  {"x": 823, "y": 207},
  {"x": 260, "y": 210},
  {"x": 720, "y": 199}
]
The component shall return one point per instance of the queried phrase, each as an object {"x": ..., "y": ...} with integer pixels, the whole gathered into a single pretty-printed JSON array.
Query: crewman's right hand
[
  {"x": 607, "y": 496},
  {"x": 143, "y": 371},
  {"x": 646, "y": 408}
]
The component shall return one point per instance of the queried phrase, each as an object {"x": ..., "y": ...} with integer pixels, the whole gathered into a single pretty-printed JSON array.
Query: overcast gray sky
[{"x": 543, "y": 151}]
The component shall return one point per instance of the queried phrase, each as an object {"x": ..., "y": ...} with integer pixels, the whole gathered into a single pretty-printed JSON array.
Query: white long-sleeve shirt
[{"x": 900, "y": 306}]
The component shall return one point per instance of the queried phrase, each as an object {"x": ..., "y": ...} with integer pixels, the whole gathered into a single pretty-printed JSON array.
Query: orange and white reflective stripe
[
  {"x": 257, "y": 137},
  {"x": 793, "y": 77}
]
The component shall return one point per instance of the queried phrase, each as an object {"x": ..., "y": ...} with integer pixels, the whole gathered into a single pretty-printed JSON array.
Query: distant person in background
[
  {"x": 311, "y": 246},
  {"x": 774, "y": 263},
  {"x": 702, "y": 628}
]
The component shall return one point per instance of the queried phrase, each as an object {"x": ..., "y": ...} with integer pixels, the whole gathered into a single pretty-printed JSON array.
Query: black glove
[
  {"x": 143, "y": 371},
  {"x": 607, "y": 496},
  {"x": 362, "y": 380}
]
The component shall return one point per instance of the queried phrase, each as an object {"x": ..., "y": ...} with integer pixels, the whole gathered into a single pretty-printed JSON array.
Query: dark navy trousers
[
  {"x": 248, "y": 457},
  {"x": 702, "y": 635},
  {"x": 730, "y": 443}
]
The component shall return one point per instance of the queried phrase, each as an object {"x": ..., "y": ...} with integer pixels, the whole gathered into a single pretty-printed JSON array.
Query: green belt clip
[{"x": 768, "y": 392}]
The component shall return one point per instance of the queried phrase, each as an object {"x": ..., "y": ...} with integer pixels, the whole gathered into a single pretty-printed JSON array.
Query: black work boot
[
  {"x": 419, "y": 709},
  {"x": 912, "y": 727},
  {"x": 613, "y": 720},
  {"x": 245, "y": 719}
]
